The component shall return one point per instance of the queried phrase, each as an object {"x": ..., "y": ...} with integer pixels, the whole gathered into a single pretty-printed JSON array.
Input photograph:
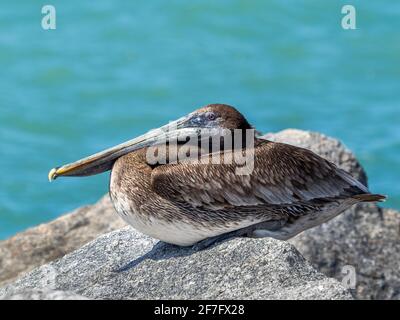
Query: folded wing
[{"x": 282, "y": 175}]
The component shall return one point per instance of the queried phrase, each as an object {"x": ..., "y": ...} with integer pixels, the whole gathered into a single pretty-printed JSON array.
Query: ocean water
[{"x": 112, "y": 70}]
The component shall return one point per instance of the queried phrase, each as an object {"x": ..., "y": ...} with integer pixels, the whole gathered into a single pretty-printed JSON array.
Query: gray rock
[
  {"x": 46, "y": 242},
  {"x": 126, "y": 265},
  {"x": 44, "y": 294},
  {"x": 366, "y": 238}
]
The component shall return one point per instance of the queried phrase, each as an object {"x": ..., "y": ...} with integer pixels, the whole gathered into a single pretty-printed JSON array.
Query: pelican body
[{"x": 184, "y": 202}]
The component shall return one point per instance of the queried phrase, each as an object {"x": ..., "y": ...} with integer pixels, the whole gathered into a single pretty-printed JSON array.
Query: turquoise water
[{"x": 112, "y": 70}]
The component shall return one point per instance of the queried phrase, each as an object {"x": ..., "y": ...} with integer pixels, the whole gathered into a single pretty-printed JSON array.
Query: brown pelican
[{"x": 289, "y": 189}]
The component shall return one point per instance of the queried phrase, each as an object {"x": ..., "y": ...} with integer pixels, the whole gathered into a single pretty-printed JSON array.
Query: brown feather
[
  {"x": 370, "y": 197},
  {"x": 282, "y": 175}
]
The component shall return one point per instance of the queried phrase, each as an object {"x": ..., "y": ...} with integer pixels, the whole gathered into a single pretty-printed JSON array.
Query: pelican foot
[{"x": 208, "y": 242}]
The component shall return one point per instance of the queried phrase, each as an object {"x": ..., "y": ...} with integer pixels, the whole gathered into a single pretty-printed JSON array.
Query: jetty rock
[{"x": 125, "y": 264}]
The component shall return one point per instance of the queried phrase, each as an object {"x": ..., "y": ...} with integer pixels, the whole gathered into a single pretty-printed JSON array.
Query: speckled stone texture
[
  {"x": 365, "y": 237},
  {"x": 44, "y": 294},
  {"x": 126, "y": 265}
]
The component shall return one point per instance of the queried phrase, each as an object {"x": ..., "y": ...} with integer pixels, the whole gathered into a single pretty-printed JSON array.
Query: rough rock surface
[
  {"x": 52, "y": 240},
  {"x": 124, "y": 265},
  {"x": 365, "y": 237},
  {"x": 44, "y": 294}
]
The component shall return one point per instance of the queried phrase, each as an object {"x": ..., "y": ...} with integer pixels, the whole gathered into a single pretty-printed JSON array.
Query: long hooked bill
[{"x": 104, "y": 160}]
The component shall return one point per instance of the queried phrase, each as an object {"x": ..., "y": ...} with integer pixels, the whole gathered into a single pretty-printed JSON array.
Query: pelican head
[{"x": 213, "y": 116}]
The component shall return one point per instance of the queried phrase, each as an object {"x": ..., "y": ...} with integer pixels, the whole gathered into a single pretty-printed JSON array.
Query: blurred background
[{"x": 113, "y": 70}]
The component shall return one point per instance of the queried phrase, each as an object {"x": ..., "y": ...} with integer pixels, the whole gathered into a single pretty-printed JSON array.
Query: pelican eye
[{"x": 210, "y": 116}]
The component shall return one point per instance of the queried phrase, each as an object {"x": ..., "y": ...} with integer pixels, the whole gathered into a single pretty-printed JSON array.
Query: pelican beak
[{"x": 104, "y": 160}]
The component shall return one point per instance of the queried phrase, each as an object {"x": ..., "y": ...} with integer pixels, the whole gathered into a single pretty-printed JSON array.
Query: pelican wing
[{"x": 282, "y": 175}]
